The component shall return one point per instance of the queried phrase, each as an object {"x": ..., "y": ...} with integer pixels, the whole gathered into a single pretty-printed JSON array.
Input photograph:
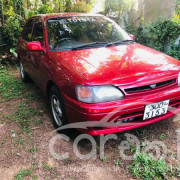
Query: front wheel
[{"x": 57, "y": 107}]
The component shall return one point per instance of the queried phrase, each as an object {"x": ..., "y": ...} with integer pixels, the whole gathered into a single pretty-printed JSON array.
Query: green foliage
[
  {"x": 47, "y": 167},
  {"x": 44, "y": 9},
  {"x": 174, "y": 51},
  {"x": 13, "y": 52},
  {"x": 18, "y": 9},
  {"x": 23, "y": 173},
  {"x": 68, "y": 6},
  {"x": 12, "y": 29},
  {"x": 157, "y": 35},
  {"x": 177, "y": 17},
  {"x": 177, "y": 7},
  {"x": 178, "y": 171},
  {"x": 111, "y": 6},
  {"x": 11, "y": 87},
  {"x": 34, "y": 149},
  {"x": 22, "y": 116},
  {"x": 79, "y": 6},
  {"x": 26, "y": 173},
  {"x": 117, "y": 6},
  {"x": 145, "y": 167},
  {"x": 14, "y": 15},
  {"x": 29, "y": 13}
]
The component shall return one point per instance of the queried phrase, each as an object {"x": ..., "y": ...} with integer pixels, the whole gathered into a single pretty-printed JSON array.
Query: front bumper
[{"x": 95, "y": 119}]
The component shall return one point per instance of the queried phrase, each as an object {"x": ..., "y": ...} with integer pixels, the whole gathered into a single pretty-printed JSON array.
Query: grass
[
  {"x": 178, "y": 171},
  {"x": 48, "y": 167},
  {"x": 104, "y": 159},
  {"x": 23, "y": 173},
  {"x": 145, "y": 167},
  {"x": 162, "y": 136},
  {"x": 117, "y": 163},
  {"x": 19, "y": 141},
  {"x": 37, "y": 122},
  {"x": 10, "y": 88},
  {"x": 34, "y": 149},
  {"x": 13, "y": 88},
  {"x": 26, "y": 172},
  {"x": 23, "y": 114},
  {"x": 35, "y": 177}
]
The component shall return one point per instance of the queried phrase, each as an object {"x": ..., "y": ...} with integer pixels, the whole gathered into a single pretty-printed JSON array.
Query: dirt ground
[{"x": 25, "y": 154}]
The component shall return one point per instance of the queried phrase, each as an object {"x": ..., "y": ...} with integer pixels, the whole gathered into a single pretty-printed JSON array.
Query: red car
[{"x": 95, "y": 75}]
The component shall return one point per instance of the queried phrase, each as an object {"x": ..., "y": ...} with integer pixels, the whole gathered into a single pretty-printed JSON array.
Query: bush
[
  {"x": 12, "y": 29},
  {"x": 29, "y": 13},
  {"x": 79, "y": 6},
  {"x": 174, "y": 51},
  {"x": 44, "y": 9},
  {"x": 156, "y": 35}
]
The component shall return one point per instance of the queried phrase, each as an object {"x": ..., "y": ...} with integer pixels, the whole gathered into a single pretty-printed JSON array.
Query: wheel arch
[{"x": 49, "y": 84}]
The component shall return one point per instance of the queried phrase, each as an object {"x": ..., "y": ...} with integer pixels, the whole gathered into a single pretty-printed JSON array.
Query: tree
[
  {"x": 177, "y": 7},
  {"x": 117, "y": 7}
]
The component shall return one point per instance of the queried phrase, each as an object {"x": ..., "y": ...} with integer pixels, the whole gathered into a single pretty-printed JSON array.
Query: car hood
[{"x": 119, "y": 64}]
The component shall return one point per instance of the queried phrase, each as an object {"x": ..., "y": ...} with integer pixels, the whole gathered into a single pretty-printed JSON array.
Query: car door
[
  {"x": 39, "y": 59},
  {"x": 22, "y": 49}
]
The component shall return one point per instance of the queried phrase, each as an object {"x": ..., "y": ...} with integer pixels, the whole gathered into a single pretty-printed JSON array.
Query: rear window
[
  {"x": 38, "y": 31},
  {"x": 28, "y": 30}
]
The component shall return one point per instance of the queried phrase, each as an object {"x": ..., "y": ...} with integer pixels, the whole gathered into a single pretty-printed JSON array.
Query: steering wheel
[{"x": 60, "y": 41}]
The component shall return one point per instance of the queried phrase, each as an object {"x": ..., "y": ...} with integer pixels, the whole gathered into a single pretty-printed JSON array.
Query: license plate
[{"x": 155, "y": 109}]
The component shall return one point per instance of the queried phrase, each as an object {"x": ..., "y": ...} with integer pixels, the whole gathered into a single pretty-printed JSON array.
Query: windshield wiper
[
  {"x": 120, "y": 42},
  {"x": 93, "y": 44}
]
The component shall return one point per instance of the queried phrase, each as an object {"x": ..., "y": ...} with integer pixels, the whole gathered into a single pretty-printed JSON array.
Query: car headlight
[
  {"x": 179, "y": 79},
  {"x": 98, "y": 94}
]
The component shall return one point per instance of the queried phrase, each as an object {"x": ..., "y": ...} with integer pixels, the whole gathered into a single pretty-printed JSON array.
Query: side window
[
  {"x": 38, "y": 31},
  {"x": 28, "y": 30}
]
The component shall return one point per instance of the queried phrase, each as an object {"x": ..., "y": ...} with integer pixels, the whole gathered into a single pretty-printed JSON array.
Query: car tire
[
  {"x": 57, "y": 109},
  {"x": 25, "y": 78}
]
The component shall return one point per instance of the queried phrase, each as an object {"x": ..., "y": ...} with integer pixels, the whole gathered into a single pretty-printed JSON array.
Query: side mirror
[
  {"x": 35, "y": 46},
  {"x": 132, "y": 36}
]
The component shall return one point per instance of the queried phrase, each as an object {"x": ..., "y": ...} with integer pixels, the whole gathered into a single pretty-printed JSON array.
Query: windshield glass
[{"x": 70, "y": 32}]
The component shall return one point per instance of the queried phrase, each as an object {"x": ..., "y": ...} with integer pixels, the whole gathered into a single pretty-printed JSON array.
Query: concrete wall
[
  {"x": 149, "y": 10},
  {"x": 156, "y": 8}
]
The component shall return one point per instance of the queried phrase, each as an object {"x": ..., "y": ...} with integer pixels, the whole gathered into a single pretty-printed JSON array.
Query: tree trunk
[
  {"x": 2, "y": 13},
  {"x": 59, "y": 10}
]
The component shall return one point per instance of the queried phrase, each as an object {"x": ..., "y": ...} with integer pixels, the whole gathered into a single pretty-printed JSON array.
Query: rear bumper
[{"x": 94, "y": 118}]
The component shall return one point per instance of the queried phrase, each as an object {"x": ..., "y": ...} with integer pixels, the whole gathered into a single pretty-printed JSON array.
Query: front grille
[{"x": 150, "y": 87}]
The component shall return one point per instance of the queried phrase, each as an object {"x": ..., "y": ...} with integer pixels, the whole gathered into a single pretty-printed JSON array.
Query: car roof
[{"x": 46, "y": 16}]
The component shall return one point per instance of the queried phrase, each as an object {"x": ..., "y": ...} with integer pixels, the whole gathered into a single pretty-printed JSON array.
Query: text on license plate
[{"x": 156, "y": 109}]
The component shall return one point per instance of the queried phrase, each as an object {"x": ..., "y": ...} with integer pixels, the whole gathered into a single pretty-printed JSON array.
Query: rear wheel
[
  {"x": 25, "y": 78},
  {"x": 57, "y": 107}
]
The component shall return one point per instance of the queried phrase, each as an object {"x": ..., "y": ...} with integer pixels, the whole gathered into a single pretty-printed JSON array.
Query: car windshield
[{"x": 69, "y": 33}]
